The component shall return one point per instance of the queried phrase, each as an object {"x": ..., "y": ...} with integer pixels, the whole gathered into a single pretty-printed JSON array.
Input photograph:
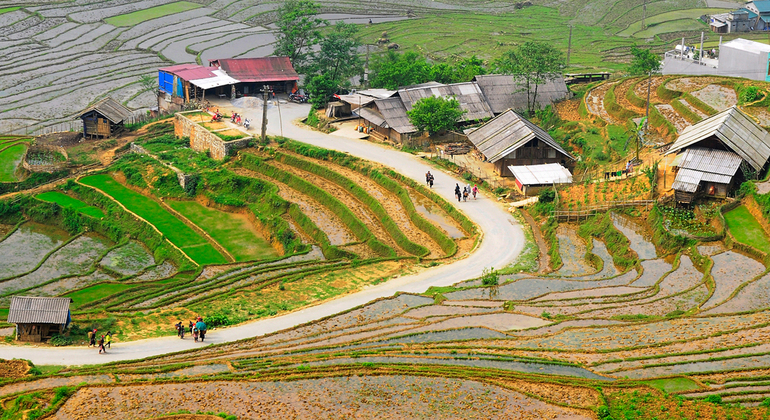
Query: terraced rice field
[
  {"x": 12, "y": 150},
  {"x": 70, "y": 202}
]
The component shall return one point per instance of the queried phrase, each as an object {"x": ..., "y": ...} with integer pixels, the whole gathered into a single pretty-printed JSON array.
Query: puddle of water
[
  {"x": 363, "y": 396},
  {"x": 653, "y": 271},
  {"x": 750, "y": 362},
  {"x": 128, "y": 259},
  {"x": 572, "y": 250},
  {"x": 640, "y": 241},
  {"x": 754, "y": 296},
  {"x": 608, "y": 267},
  {"x": 730, "y": 270},
  {"x": 429, "y": 210}
]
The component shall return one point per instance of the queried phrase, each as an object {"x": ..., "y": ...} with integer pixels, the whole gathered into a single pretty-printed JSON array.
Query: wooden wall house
[
  {"x": 39, "y": 318},
  {"x": 712, "y": 153},
  {"x": 104, "y": 119},
  {"x": 511, "y": 140}
]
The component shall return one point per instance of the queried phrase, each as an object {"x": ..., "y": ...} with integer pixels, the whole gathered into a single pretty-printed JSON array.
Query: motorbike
[
  {"x": 246, "y": 124},
  {"x": 298, "y": 98},
  {"x": 216, "y": 118}
]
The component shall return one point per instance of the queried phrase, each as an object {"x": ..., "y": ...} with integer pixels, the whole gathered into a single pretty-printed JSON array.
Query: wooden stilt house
[
  {"x": 39, "y": 318},
  {"x": 104, "y": 119}
]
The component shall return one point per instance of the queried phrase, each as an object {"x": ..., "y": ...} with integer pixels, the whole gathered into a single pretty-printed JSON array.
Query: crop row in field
[{"x": 65, "y": 200}]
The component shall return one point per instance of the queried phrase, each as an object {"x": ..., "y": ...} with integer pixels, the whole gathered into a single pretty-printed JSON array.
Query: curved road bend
[{"x": 502, "y": 242}]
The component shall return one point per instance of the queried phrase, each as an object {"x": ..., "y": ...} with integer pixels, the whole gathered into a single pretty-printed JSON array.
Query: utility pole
[
  {"x": 644, "y": 13},
  {"x": 265, "y": 92},
  {"x": 569, "y": 44}
]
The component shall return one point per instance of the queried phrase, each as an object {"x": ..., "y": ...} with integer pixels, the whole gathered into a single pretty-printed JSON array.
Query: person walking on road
[
  {"x": 92, "y": 338},
  {"x": 108, "y": 339},
  {"x": 475, "y": 191},
  {"x": 101, "y": 345},
  {"x": 429, "y": 179},
  {"x": 465, "y": 193},
  {"x": 457, "y": 192}
]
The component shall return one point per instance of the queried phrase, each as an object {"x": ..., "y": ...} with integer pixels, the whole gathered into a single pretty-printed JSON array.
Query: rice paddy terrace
[{"x": 61, "y": 56}]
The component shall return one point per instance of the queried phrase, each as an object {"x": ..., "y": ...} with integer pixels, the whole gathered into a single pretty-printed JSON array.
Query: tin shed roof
[
  {"x": 507, "y": 132},
  {"x": 110, "y": 109},
  {"x": 545, "y": 174},
  {"x": 261, "y": 69},
  {"x": 394, "y": 113},
  {"x": 468, "y": 94},
  {"x": 39, "y": 310},
  {"x": 372, "y": 116},
  {"x": 503, "y": 92},
  {"x": 735, "y": 130}
]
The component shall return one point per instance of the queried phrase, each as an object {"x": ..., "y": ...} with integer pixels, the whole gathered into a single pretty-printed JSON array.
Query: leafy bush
[
  {"x": 714, "y": 399},
  {"x": 750, "y": 94},
  {"x": 490, "y": 277},
  {"x": 60, "y": 341},
  {"x": 219, "y": 319},
  {"x": 546, "y": 196}
]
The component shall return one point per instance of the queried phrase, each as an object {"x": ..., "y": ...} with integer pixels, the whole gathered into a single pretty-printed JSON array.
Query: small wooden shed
[
  {"x": 39, "y": 318},
  {"x": 104, "y": 119}
]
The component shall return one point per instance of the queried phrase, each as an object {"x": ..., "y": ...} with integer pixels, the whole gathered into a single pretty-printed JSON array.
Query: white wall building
[{"x": 737, "y": 58}]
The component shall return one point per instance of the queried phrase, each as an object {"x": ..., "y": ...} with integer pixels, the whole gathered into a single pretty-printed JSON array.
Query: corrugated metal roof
[
  {"x": 545, "y": 174},
  {"x": 394, "y": 113},
  {"x": 199, "y": 72},
  {"x": 468, "y": 94},
  {"x": 355, "y": 100},
  {"x": 507, "y": 132},
  {"x": 218, "y": 78},
  {"x": 503, "y": 92},
  {"x": 378, "y": 93},
  {"x": 42, "y": 310},
  {"x": 761, "y": 5},
  {"x": 178, "y": 67},
  {"x": 261, "y": 69},
  {"x": 110, "y": 109},
  {"x": 372, "y": 116},
  {"x": 687, "y": 180},
  {"x": 712, "y": 161},
  {"x": 736, "y": 130}
]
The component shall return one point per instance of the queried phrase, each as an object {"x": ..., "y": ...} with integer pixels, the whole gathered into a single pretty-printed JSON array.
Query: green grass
[
  {"x": 66, "y": 201},
  {"x": 172, "y": 228},
  {"x": 746, "y": 229},
  {"x": 9, "y": 161},
  {"x": 95, "y": 293},
  {"x": 131, "y": 19},
  {"x": 669, "y": 22},
  {"x": 234, "y": 233},
  {"x": 673, "y": 384},
  {"x": 3, "y": 314},
  {"x": 9, "y": 9}
]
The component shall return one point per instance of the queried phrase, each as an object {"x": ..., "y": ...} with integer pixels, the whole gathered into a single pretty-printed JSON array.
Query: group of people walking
[
  {"x": 197, "y": 329},
  {"x": 102, "y": 342},
  {"x": 462, "y": 195}
]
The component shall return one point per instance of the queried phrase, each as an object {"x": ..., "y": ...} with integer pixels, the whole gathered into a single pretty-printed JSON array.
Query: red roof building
[{"x": 258, "y": 70}]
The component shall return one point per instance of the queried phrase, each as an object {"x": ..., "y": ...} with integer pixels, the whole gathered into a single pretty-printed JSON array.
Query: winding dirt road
[{"x": 502, "y": 242}]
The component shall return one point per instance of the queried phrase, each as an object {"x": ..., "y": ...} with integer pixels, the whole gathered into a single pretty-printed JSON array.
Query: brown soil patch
[
  {"x": 215, "y": 125},
  {"x": 620, "y": 95},
  {"x": 568, "y": 110},
  {"x": 390, "y": 202},
  {"x": 582, "y": 195},
  {"x": 187, "y": 417},
  {"x": 232, "y": 132},
  {"x": 13, "y": 369},
  {"x": 641, "y": 89},
  {"x": 673, "y": 117},
  {"x": 571, "y": 395},
  {"x": 595, "y": 102}
]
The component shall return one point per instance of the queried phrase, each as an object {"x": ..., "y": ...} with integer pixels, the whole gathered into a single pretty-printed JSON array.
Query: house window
[{"x": 551, "y": 153}]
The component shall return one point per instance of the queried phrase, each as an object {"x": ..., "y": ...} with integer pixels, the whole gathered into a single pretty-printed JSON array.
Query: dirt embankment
[{"x": 13, "y": 369}]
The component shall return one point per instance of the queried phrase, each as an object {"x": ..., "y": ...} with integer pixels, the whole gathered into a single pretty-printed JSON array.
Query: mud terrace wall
[
  {"x": 203, "y": 140},
  {"x": 181, "y": 176}
]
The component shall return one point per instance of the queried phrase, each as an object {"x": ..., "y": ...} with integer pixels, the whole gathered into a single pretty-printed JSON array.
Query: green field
[
  {"x": 172, "y": 228},
  {"x": 131, "y": 19},
  {"x": 675, "y": 21},
  {"x": 9, "y": 9},
  {"x": 452, "y": 35},
  {"x": 9, "y": 161},
  {"x": 746, "y": 229},
  {"x": 66, "y": 201},
  {"x": 235, "y": 234},
  {"x": 95, "y": 293},
  {"x": 673, "y": 384}
]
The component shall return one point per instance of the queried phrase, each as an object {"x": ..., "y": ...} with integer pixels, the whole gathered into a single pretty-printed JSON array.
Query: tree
[
  {"x": 150, "y": 83},
  {"x": 644, "y": 62},
  {"x": 338, "y": 52},
  {"x": 392, "y": 70},
  {"x": 532, "y": 64},
  {"x": 321, "y": 87},
  {"x": 298, "y": 30},
  {"x": 435, "y": 113}
]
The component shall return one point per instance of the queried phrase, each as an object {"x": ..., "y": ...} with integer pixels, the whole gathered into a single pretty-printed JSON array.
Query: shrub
[
  {"x": 750, "y": 94},
  {"x": 60, "y": 341},
  {"x": 490, "y": 277},
  {"x": 546, "y": 196},
  {"x": 714, "y": 399}
]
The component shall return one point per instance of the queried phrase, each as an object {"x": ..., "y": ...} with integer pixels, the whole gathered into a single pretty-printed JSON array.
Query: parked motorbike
[
  {"x": 216, "y": 118},
  {"x": 298, "y": 98}
]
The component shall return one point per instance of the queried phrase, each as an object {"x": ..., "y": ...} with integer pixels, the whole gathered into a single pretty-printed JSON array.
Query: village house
[
  {"x": 503, "y": 92},
  {"x": 736, "y": 58},
  {"x": 104, "y": 119},
  {"x": 224, "y": 78},
  {"x": 39, "y": 318},
  {"x": 510, "y": 140},
  {"x": 711, "y": 153}
]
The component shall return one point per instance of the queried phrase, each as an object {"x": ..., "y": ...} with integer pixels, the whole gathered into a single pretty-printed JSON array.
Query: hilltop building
[
  {"x": 224, "y": 78},
  {"x": 39, "y": 318},
  {"x": 737, "y": 58},
  {"x": 712, "y": 152},
  {"x": 754, "y": 16}
]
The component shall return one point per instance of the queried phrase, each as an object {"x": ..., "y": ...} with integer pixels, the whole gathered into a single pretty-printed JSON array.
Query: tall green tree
[
  {"x": 644, "y": 62},
  {"x": 434, "y": 113},
  {"x": 532, "y": 64},
  {"x": 321, "y": 87},
  {"x": 298, "y": 31},
  {"x": 338, "y": 52},
  {"x": 392, "y": 70}
]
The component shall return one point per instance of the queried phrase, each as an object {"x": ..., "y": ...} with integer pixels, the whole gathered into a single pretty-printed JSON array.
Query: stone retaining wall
[
  {"x": 203, "y": 140},
  {"x": 183, "y": 178}
]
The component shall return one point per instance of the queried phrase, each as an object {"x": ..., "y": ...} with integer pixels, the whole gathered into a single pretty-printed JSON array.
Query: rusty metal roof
[
  {"x": 372, "y": 116},
  {"x": 735, "y": 130},
  {"x": 39, "y": 310},
  {"x": 179, "y": 67},
  {"x": 507, "y": 132},
  {"x": 698, "y": 164},
  {"x": 110, "y": 109},
  {"x": 503, "y": 92},
  {"x": 261, "y": 69},
  {"x": 468, "y": 94}
]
